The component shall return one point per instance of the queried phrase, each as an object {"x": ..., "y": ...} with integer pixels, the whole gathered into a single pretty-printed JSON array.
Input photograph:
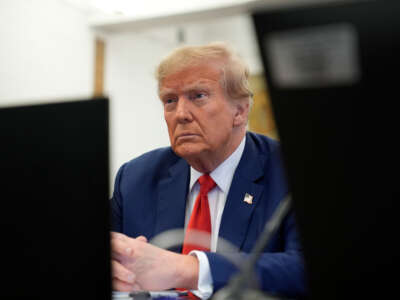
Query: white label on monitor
[{"x": 316, "y": 56}]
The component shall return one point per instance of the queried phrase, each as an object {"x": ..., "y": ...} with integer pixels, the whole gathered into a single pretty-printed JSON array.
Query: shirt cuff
[{"x": 205, "y": 284}]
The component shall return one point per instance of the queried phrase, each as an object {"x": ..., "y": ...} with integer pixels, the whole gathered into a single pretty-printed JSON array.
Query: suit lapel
[
  {"x": 237, "y": 213},
  {"x": 171, "y": 206}
]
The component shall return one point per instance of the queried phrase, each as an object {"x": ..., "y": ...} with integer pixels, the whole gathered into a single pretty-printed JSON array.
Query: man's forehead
[{"x": 173, "y": 83}]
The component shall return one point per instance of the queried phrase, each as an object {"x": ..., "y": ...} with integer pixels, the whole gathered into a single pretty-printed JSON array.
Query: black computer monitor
[
  {"x": 54, "y": 212},
  {"x": 332, "y": 75}
]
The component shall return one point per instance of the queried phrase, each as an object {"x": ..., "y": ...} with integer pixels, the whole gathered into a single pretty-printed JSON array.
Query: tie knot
[{"x": 206, "y": 184}]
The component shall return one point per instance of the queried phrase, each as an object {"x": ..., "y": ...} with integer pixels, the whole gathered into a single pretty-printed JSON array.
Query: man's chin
[{"x": 188, "y": 151}]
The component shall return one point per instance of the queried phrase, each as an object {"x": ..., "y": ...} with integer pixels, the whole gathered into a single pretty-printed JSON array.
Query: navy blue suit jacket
[{"x": 150, "y": 196}]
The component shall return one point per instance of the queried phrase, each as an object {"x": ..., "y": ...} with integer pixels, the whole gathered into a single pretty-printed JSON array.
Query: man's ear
[{"x": 241, "y": 113}]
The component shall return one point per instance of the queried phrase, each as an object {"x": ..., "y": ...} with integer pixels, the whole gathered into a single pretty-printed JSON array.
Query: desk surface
[{"x": 161, "y": 295}]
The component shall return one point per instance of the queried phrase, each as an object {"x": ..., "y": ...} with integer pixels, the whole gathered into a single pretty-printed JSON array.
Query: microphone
[{"x": 238, "y": 286}]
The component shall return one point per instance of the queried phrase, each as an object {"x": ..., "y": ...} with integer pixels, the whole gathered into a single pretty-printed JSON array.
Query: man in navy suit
[{"x": 206, "y": 100}]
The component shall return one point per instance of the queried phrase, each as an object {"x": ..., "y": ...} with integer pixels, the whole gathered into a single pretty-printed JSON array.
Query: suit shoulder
[
  {"x": 150, "y": 162},
  {"x": 154, "y": 156},
  {"x": 264, "y": 144}
]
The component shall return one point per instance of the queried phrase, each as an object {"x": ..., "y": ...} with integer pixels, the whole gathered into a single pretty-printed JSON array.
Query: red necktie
[{"x": 200, "y": 219}]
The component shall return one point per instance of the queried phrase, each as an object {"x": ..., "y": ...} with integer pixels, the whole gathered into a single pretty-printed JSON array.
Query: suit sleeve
[
  {"x": 280, "y": 273},
  {"x": 116, "y": 203}
]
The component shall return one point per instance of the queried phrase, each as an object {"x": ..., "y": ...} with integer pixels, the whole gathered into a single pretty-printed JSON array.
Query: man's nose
[{"x": 183, "y": 111}]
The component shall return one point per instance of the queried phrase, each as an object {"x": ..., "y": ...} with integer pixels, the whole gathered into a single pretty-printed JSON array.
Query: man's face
[{"x": 199, "y": 116}]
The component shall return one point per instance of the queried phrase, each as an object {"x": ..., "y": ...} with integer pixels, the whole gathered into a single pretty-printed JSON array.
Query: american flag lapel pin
[{"x": 248, "y": 198}]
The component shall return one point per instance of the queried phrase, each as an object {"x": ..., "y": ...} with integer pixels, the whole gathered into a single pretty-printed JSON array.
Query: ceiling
[
  {"x": 140, "y": 8},
  {"x": 128, "y": 14}
]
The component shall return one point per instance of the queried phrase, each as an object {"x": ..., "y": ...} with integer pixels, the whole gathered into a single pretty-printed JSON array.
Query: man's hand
[
  {"x": 138, "y": 265},
  {"x": 122, "y": 279}
]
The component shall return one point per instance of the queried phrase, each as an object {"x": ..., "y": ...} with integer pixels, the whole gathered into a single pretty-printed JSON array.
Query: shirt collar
[{"x": 223, "y": 174}]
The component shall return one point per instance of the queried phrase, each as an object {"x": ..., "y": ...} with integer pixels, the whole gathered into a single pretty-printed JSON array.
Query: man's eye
[
  {"x": 169, "y": 100},
  {"x": 198, "y": 96}
]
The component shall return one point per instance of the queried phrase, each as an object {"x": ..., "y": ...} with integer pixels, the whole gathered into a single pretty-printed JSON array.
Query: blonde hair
[{"x": 235, "y": 73}]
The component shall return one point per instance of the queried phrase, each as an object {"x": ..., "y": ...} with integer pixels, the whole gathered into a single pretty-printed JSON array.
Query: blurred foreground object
[
  {"x": 55, "y": 207},
  {"x": 331, "y": 70}
]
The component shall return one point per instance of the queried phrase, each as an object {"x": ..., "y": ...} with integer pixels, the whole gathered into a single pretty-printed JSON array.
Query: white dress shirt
[{"x": 222, "y": 176}]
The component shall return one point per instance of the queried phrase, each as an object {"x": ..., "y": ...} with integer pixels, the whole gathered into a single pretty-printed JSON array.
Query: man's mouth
[{"x": 187, "y": 135}]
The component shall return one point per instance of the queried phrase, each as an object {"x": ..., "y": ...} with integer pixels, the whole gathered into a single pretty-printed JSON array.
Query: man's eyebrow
[{"x": 166, "y": 91}]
